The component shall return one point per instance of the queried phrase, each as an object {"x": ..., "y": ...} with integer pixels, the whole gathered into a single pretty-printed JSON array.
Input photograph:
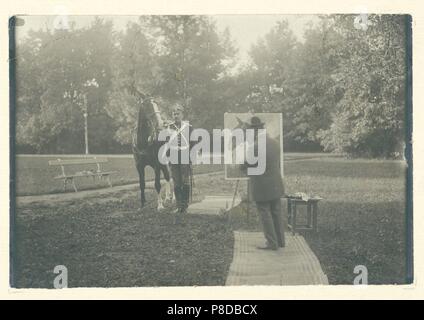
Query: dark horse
[{"x": 146, "y": 146}]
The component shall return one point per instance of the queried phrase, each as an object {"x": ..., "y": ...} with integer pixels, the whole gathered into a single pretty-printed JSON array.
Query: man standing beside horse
[{"x": 181, "y": 170}]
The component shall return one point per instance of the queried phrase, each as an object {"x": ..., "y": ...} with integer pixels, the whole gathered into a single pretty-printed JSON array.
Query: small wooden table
[{"x": 311, "y": 204}]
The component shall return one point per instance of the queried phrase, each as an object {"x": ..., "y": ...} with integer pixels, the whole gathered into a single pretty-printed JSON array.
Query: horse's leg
[
  {"x": 140, "y": 169},
  {"x": 158, "y": 187},
  {"x": 168, "y": 193},
  {"x": 173, "y": 195}
]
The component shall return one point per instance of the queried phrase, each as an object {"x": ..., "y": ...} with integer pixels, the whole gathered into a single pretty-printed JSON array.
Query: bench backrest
[
  {"x": 60, "y": 162},
  {"x": 63, "y": 163}
]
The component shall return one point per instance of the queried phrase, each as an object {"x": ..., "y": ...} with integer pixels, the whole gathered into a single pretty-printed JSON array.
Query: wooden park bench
[{"x": 70, "y": 177}]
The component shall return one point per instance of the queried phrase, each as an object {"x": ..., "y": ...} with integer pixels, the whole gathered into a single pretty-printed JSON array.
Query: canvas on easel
[{"x": 274, "y": 128}]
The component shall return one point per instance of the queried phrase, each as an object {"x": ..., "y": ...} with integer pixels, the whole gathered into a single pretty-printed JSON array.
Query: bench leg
[
  {"x": 73, "y": 184},
  {"x": 65, "y": 181},
  {"x": 109, "y": 181}
]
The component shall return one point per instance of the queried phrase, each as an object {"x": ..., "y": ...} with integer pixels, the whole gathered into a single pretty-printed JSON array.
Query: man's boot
[
  {"x": 177, "y": 191},
  {"x": 185, "y": 196}
]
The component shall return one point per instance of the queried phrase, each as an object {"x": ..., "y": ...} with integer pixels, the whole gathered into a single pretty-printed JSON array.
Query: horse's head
[
  {"x": 146, "y": 112},
  {"x": 149, "y": 123},
  {"x": 149, "y": 120}
]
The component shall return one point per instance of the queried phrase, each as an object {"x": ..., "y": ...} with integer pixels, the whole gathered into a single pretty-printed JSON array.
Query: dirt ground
[{"x": 105, "y": 241}]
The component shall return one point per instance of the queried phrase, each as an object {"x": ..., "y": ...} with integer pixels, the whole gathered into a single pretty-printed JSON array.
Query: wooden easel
[
  {"x": 235, "y": 194},
  {"x": 236, "y": 190}
]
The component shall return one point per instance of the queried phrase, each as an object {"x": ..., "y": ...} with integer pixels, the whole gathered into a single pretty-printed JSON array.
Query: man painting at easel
[{"x": 267, "y": 189}]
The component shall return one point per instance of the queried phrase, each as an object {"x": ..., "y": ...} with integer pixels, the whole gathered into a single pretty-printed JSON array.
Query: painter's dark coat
[{"x": 269, "y": 185}]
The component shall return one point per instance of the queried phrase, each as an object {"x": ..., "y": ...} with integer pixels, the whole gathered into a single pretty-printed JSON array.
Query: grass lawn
[{"x": 105, "y": 242}]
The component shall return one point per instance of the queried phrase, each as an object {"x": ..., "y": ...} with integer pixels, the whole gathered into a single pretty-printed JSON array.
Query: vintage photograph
[{"x": 118, "y": 176}]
